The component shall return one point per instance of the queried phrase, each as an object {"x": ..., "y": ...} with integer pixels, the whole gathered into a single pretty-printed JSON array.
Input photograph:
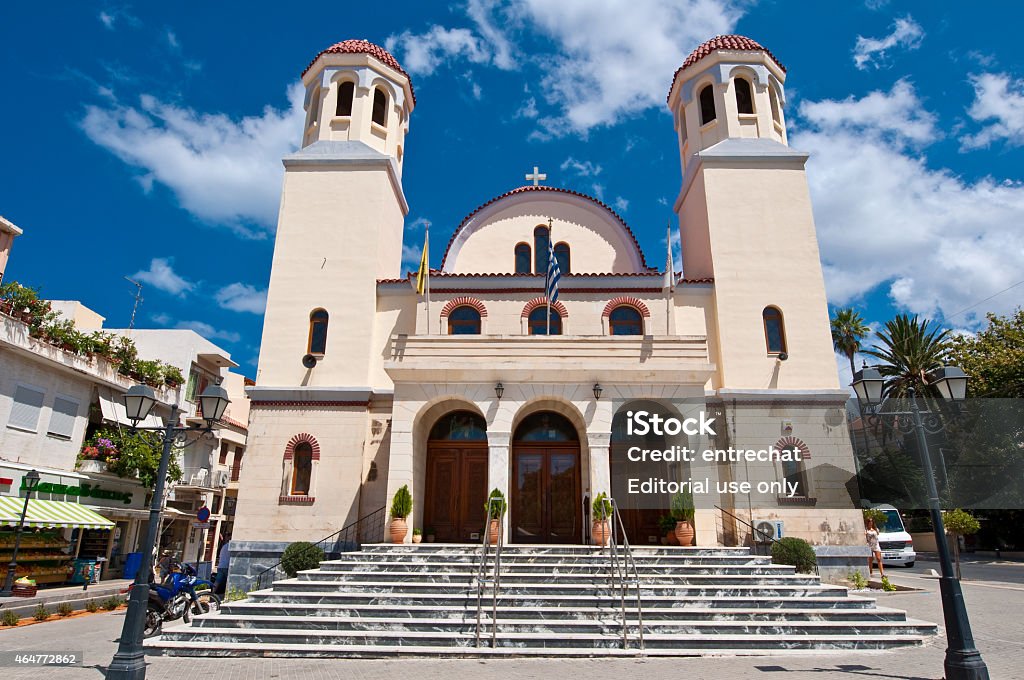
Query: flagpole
[
  {"x": 547, "y": 274},
  {"x": 426, "y": 249},
  {"x": 670, "y": 276}
]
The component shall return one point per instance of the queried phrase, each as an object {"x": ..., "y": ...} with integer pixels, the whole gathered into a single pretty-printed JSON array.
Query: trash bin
[{"x": 132, "y": 562}]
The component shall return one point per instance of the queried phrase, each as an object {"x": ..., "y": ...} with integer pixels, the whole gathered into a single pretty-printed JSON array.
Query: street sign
[
  {"x": 200, "y": 525},
  {"x": 203, "y": 514}
]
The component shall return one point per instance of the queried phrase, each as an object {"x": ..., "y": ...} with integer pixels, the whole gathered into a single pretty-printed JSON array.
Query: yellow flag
[{"x": 424, "y": 272}]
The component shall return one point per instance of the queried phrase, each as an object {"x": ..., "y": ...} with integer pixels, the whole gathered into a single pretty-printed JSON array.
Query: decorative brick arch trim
[
  {"x": 289, "y": 450},
  {"x": 463, "y": 302},
  {"x": 541, "y": 301},
  {"x": 626, "y": 300},
  {"x": 794, "y": 443}
]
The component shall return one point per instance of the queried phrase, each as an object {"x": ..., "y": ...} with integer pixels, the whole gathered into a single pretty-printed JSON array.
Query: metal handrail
[
  {"x": 495, "y": 580},
  {"x": 621, "y": 569},
  {"x": 346, "y": 539}
]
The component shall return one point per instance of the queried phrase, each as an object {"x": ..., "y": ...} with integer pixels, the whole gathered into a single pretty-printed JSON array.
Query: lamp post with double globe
[
  {"x": 963, "y": 660},
  {"x": 29, "y": 483},
  {"x": 129, "y": 662}
]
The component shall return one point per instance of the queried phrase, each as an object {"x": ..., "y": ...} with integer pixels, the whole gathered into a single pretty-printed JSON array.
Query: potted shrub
[
  {"x": 496, "y": 507},
  {"x": 429, "y": 531},
  {"x": 668, "y": 530},
  {"x": 172, "y": 376},
  {"x": 417, "y": 535},
  {"x": 401, "y": 506},
  {"x": 602, "y": 511},
  {"x": 682, "y": 513}
]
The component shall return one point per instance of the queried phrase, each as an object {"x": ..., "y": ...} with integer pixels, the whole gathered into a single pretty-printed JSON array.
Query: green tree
[
  {"x": 848, "y": 329},
  {"x": 909, "y": 349},
  {"x": 959, "y": 523},
  {"x": 994, "y": 357}
]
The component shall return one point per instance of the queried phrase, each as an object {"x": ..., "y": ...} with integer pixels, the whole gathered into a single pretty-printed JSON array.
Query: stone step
[
  {"x": 609, "y": 623},
  {"x": 467, "y": 599},
  {"x": 577, "y": 611},
  {"x": 525, "y": 579},
  {"x": 555, "y": 568},
  {"x": 526, "y": 558},
  {"x": 514, "y": 549},
  {"x": 558, "y": 587},
  {"x": 705, "y": 640}
]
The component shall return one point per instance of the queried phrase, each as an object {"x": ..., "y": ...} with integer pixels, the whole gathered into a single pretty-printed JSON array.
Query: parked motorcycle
[{"x": 180, "y": 596}]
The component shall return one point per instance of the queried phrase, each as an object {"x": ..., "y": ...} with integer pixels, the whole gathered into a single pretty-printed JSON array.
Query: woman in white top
[{"x": 871, "y": 533}]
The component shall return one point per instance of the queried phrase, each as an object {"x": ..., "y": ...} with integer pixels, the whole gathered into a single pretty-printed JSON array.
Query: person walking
[
  {"x": 223, "y": 561},
  {"x": 871, "y": 533}
]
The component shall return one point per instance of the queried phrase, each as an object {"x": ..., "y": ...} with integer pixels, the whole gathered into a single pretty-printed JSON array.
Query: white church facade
[{"x": 364, "y": 386}]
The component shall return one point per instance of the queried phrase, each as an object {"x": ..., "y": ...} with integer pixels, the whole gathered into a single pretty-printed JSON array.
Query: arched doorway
[
  {"x": 546, "y": 498},
  {"x": 456, "y": 483},
  {"x": 641, "y": 512}
]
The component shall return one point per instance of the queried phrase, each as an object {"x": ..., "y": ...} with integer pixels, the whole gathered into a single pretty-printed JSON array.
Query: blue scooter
[{"x": 176, "y": 598}]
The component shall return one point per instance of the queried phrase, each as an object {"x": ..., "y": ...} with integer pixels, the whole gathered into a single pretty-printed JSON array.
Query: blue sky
[{"x": 144, "y": 140}]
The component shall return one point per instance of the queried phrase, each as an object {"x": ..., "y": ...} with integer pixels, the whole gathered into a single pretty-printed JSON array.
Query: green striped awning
[{"x": 46, "y": 514}]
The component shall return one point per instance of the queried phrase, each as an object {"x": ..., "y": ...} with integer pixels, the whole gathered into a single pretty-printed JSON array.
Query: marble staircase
[{"x": 421, "y": 600}]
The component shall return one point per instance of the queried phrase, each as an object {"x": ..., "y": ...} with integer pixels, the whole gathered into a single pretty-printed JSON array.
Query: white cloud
[
  {"x": 209, "y": 332},
  {"x": 906, "y": 33},
  {"x": 241, "y": 297},
  {"x": 221, "y": 170},
  {"x": 107, "y": 19},
  {"x": 581, "y": 168},
  {"x": 172, "y": 40},
  {"x": 411, "y": 256},
  {"x": 937, "y": 242},
  {"x": 161, "y": 275},
  {"x": 422, "y": 53},
  {"x": 610, "y": 60},
  {"x": 620, "y": 204},
  {"x": 419, "y": 223},
  {"x": 111, "y": 16},
  {"x": 528, "y": 109},
  {"x": 996, "y": 97}
]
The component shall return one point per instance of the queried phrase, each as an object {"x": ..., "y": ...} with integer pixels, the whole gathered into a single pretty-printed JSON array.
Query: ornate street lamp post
[
  {"x": 963, "y": 660},
  {"x": 129, "y": 662},
  {"x": 29, "y": 482}
]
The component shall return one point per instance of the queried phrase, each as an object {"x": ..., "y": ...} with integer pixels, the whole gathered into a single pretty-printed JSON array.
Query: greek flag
[{"x": 553, "y": 275}]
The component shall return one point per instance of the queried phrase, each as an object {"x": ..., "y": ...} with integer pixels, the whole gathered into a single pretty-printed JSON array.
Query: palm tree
[
  {"x": 848, "y": 329},
  {"x": 909, "y": 349}
]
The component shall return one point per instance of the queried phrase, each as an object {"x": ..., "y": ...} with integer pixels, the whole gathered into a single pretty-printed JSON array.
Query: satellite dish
[{"x": 309, "y": 361}]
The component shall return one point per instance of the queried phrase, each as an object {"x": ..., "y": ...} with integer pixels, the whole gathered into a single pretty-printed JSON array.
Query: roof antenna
[{"x": 138, "y": 299}]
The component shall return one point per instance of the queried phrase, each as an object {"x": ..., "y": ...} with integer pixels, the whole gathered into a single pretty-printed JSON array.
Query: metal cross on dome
[{"x": 537, "y": 177}]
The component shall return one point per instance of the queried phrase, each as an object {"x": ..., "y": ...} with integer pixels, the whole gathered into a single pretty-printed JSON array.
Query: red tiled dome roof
[
  {"x": 363, "y": 47},
  {"x": 723, "y": 42}
]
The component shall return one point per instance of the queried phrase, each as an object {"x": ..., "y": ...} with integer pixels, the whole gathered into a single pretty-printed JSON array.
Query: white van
[{"x": 896, "y": 544}]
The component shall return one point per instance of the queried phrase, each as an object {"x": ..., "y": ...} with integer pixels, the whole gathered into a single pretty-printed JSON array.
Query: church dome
[
  {"x": 734, "y": 43},
  {"x": 363, "y": 47}
]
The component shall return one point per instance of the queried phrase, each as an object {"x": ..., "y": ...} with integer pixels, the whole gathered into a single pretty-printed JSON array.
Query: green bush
[
  {"x": 42, "y": 613},
  {"x": 401, "y": 504},
  {"x": 92, "y": 607},
  {"x": 301, "y": 555},
  {"x": 666, "y": 523},
  {"x": 886, "y": 586},
  {"x": 496, "y": 504},
  {"x": 795, "y": 552},
  {"x": 235, "y": 594},
  {"x": 8, "y": 618},
  {"x": 112, "y": 603},
  {"x": 65, "y": 609},
  {"x": 602, "y": 507},
  {"x": 879, "y": 516},
  {"x": 857, "y": 580},
  {"x": 682, "y": 507}
]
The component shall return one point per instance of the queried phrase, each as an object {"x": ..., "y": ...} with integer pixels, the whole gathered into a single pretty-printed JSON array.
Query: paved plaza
[{"x": 995, "y": 605}]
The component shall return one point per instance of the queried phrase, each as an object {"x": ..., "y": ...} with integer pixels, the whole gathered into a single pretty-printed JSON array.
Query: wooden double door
[
  {"x": 456, "y": 491},
  {"x": 546, "y": 501}
]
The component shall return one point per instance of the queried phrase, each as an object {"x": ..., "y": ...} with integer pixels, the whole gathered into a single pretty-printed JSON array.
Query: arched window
[
  {"x": 380, "y": 107},
  {"x": 774, "y": 332},
  {"x": 545, "y": 427},
  {"x": 562, "y": 257},
  {"x": 538, "y": 323},
  {"x": 464, "y": 320},
  {"x": 540, "y": 250},
  {"x": 773, "y": 96},
  {"x": 346, "y": 92},
  {"x": 302, "y": 468},
  {"x": 318, "y": 332},
  {"x": 707, "y": 105},
  {"x": 795, "y": 471},
  {"x": 459, "y": 426},
  {"x": 625, "y": 320},
  {"x": 744, "y": 97},
  {"x": 523, "y": 258}
]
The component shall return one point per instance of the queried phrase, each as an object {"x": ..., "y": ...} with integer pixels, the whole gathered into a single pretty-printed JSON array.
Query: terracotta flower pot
[
  {"x": 398, "y": 530},
  {"x": 416, "y": 538},
  {"x": 684, "y": 533},
  {"x": 670, "y": 536},
  {"x": 493, "y": 532},
  {"x": 600, "y": 531}
]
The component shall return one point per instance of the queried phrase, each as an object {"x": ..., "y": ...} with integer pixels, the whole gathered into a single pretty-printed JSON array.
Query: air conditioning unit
[
  {"x": 767, "y": 531},
  {"x": 220, "y": 478}
]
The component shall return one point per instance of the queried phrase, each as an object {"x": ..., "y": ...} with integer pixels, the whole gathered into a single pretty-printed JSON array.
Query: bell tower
[
  {"x": 340, "y": 222},
  {"x": 746, "y": 221}
]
